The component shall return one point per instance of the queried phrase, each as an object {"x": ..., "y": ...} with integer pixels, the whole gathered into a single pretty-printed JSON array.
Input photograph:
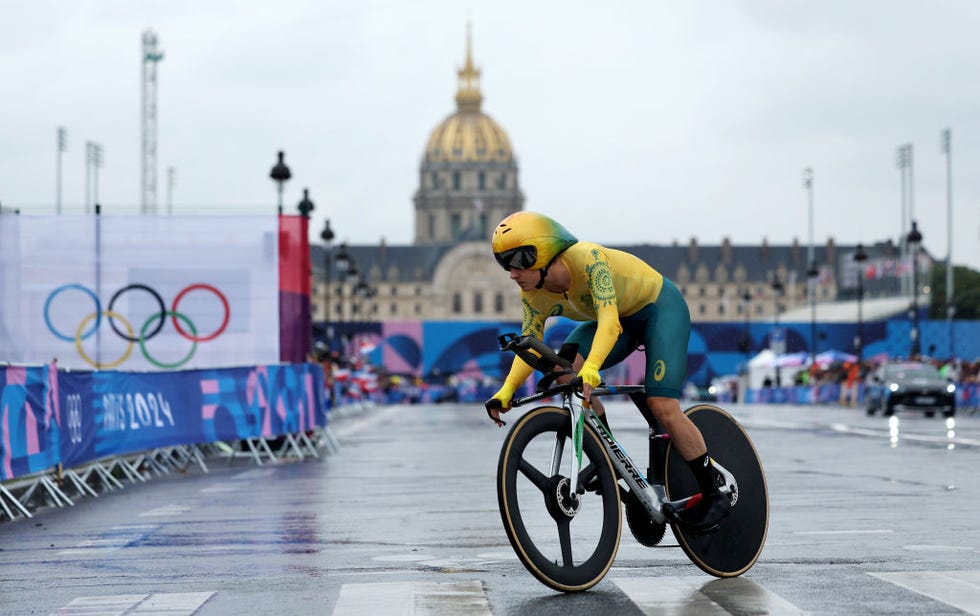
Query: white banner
[{"x": 139, "y": 292}]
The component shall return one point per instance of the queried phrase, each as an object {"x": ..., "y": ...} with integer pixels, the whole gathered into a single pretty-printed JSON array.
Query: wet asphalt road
[{"x": 866, "y": 519}]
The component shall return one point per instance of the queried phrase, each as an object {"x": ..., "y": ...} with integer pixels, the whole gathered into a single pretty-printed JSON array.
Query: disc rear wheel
[{"x": 735, "y": 546}]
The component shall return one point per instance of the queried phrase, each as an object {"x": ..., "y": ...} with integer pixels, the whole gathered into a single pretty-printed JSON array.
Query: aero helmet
[{"x": 528, "y": 240}]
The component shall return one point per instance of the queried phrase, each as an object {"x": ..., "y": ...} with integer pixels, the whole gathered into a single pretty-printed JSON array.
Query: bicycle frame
[{"x": 648, "y": 489}]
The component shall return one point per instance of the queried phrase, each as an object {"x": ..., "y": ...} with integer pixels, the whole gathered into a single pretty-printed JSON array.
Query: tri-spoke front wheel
[{"x": 566, "y": 540}]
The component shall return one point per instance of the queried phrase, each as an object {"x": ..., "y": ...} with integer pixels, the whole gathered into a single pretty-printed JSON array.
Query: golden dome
[{"x": 469, "y": 135}]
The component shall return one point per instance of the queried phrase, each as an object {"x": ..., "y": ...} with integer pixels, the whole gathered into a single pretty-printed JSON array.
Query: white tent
[
  {"x": 766, "y": 363},
  {"x": 761, "y": 366}
]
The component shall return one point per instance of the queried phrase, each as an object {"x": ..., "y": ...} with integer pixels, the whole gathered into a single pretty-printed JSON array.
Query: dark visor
[{"x": 522, "y": 257}]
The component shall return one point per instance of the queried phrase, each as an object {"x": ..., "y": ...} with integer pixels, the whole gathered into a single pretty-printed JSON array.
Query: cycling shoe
[{"x": 706, "y": 515}]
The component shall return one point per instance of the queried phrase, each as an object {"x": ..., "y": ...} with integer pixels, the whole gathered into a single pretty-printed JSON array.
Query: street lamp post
[
  {"x": 811, "y": 277},
  {"x": 279, "y": 174},
  {"x": 947, "y": 147},
  {"x": 327, "y": 236},
  {"x": 777, "y": 291},
  {"x": 349, "y": 273},
  {"x": 746, "y": 338},
  {"x": 305, "y": 206},
  {"x": 860, "y": 257},
  {"x": 914, "y": 240},
  {"x": 811, "y": 272},
  {"x": 96, "y": 165},
  {"x": 62, "y": 148}
]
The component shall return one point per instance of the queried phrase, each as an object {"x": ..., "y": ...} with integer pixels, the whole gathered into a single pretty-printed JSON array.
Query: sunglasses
[{"x": 522, "y": 257}]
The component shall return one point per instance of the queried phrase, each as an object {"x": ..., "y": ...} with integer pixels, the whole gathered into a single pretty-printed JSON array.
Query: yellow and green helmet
[{"x": 528, "y": 240}]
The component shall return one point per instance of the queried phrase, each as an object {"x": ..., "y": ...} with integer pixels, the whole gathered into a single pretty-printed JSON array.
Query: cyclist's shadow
[{"x": 736, "y": 595}]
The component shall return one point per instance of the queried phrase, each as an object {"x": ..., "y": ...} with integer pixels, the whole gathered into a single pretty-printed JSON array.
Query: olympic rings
[
  {"x": 217, "y": 332},
  {"x": 148, "y": 331},
  {"x": 162, "y": 317},
  {"x": 81, "y": 351},
  {"x": 155, "y": 295},
  {"x": 47, "y": 308}
]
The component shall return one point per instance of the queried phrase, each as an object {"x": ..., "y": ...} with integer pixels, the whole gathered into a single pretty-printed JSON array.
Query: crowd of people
[
  {"x": 349, "y": 379},
  {"x": 845, "y": 382}
]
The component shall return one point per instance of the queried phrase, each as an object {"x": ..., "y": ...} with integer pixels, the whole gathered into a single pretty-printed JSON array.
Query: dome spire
[{"x": 468, "y": 96}]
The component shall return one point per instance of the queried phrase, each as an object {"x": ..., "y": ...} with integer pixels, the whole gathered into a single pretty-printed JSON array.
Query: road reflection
[{"x": 895, "y": 432}]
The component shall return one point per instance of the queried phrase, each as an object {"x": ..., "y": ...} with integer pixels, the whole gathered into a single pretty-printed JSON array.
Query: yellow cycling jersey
[{"x": 605, "y": 284}]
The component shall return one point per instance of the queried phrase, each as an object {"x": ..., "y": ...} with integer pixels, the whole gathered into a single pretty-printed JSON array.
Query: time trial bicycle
[{"x": 562, "y": 475}]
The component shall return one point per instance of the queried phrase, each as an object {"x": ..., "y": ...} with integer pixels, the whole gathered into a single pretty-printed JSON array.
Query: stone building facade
[{"x": 468, "y": 181}]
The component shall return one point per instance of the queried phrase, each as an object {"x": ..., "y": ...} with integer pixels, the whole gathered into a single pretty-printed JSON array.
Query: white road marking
[
  {"x": 960, "y": 589},
  {"x": 221, "y": 488},
  {"x": 938, "y": 548},
  {"x": 413, "y": 598},
  {"x": 401, "y": 558},
  {"x": 171, "y": 604},
  {"x": 666, "y": 596},
  {"x": 166, "y": 510},
  {"x": 845, "y": 532}
]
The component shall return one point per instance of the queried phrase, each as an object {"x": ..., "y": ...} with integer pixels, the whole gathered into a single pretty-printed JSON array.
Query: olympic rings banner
[
  {"x": 49, "y": 417},
  {"x": 139, "y": 292}
]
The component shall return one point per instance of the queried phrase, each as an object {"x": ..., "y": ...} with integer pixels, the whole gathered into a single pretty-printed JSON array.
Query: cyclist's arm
[
  {"x": 532, "y": 325},
  {"x": 604, "y": 302}
]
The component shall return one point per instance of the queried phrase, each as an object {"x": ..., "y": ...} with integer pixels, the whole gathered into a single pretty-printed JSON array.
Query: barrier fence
[{"x": 65, "y": 432}]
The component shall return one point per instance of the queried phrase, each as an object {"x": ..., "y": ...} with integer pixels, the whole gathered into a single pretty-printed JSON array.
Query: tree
[{"x": 966, "y": 292}]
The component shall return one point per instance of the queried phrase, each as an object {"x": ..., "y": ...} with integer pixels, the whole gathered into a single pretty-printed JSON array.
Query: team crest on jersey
[
  {"x": 600, "y": 281},
  {"x": 529, "y": 324},
  {"x": 556, "y": 310}
]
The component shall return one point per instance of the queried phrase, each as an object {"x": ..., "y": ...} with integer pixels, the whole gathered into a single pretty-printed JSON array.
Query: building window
[
  {"x": 721, "y": 308},
  {"x": 435, "y": 179},
  {"x": 457, "y": 303},
  {"x": 457, "y": 180},
  {"x": 502, "y": 181},
  {"x": 418, "y": 309},
  {"x": 702, "y": 309},
  {"x": 498, "y": 303},
  {"x": 456, "y": 222},
  {"x": 432, "y": 226},
  {"x": 478, "y": 302},
  {"x": 483, "y": 224},
  {"x": 701, "y": 292},
  {"x": 482, "y": 180},
  {"x": 394, "y": 309},
  {"x": 394, "y": 291}
]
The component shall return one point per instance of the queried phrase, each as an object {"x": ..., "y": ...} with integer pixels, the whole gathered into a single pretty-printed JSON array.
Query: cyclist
[{"x": 624, "y": 304}]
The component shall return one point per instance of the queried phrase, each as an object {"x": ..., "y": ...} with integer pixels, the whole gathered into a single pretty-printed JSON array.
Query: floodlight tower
[{"x": 151, "y": 56}]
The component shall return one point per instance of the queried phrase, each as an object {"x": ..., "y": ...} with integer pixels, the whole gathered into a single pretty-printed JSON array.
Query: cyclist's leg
[
  {"x": 668, "y": 327},
  {"x": 582, "y": 336}
]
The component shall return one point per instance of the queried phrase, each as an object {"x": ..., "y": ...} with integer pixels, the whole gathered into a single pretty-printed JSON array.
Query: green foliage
[{"x": 966, "y": 292}]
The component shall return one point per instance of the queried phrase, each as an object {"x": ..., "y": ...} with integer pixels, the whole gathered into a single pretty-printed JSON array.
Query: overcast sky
[{"x": 645, "y": 121}]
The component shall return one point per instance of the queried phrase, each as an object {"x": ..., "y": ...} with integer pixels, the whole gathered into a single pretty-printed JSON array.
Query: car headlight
[
  {"x": 893, "y": 386},
  {"x": 951, "y": 388}
]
